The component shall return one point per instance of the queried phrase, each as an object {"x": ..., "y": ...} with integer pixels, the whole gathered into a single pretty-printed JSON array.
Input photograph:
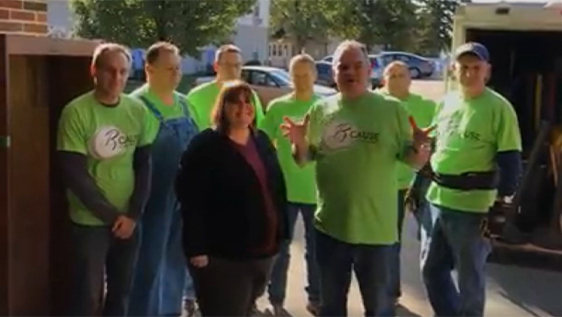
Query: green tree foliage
[
  {"x": 385, "y": 22},
  {"x": 435, "y": 25},
  {"x": 138, "y": 23},
  {"x": 301, "y": 20}
]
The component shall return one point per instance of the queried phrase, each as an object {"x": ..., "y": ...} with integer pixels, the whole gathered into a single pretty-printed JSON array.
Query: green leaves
[{"x": 139, "y": 23}]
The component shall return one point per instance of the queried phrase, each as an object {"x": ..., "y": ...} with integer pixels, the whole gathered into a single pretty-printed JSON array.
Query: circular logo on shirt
[
  {"x": 338, "y": 135},
  {"x": 107, "y": 142}
]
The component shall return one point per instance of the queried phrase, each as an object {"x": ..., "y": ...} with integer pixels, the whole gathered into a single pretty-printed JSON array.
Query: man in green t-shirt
[
  {"x": 161, "y": 266},
  {"x": 103, "y": 143},
  {"x": 357, "y": 139},
  {"x": 477, "y": 159},
  {"x": 201, "y": 99},
  {"x": 397, "y": 83},
  {"x": 301, "y": 182}
]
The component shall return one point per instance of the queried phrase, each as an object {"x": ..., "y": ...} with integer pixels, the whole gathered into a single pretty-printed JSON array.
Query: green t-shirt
[
  {"x": 301, "y": 182},
  {"x": 422, "y": 110},
  {"x": 359, "y": 144},
  {"x": 108, "y": 136},
  {"x": 167, "y": 111},
  {"x": 469, "y": 134},
  {"x": 201, "y": 100}
]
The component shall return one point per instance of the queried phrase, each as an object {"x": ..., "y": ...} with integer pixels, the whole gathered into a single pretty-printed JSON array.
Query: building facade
[{"x": 23, "y": 17}]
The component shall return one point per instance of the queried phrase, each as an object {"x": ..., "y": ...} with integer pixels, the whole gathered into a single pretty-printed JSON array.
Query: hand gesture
[
  {"x": 123, "y": 227},
  {"x": 199, "y": 261},
  {"x": 296, "y": 132},
  {"x": 421, "y": 136}
]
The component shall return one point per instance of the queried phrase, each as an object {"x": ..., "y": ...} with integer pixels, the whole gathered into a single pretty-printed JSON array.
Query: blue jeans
[
  {"x": 394, "y": 268},
  {"x": 455, "y": 242},
  {"x": 336, "y": 259},
  {"x": 161, "y": 279},
  {"x": 421, "y": 184},
  {"x": 278, "y": 281},
  {"x": 101, "y": 257}
]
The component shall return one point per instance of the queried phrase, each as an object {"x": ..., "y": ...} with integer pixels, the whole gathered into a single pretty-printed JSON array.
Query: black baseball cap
[{"x": 473, "y": 48}]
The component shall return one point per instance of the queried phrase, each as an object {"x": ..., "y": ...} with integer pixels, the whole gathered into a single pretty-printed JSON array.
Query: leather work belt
[{"x": 465, "y": 181}]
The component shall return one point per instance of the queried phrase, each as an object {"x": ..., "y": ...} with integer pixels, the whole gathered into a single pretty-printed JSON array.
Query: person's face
[
  {"x": 166, "y": 70},
  {"x": 111, "y": 73},
  {"x": 303, "y": 75},
  {"x": 471, "y": 71},
  {"x": 229, "y": 66},
  {"x": 397, "y": 80},
  {"x": 241, "y": 113},
  {"x": 351, "y": 72}
]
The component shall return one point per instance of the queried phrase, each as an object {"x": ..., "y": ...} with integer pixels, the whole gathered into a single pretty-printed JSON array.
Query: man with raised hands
[{"x": 356, "y": 138}]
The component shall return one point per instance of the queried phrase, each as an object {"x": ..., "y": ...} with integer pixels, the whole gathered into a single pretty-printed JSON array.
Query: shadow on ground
[{"x": 531, "y": 290}]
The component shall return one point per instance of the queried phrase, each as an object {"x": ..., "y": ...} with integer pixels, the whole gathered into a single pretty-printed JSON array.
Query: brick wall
[{"x": 23, "y": 16}]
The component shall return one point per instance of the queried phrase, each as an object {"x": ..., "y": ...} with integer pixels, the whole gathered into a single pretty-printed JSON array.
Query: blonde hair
[
  {"x": 302, "y": 58},
  {"x": 394, "y": 64}
]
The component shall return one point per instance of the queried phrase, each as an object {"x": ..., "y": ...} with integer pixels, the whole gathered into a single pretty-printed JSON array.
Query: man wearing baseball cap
[{"x": 476, "y": 161}]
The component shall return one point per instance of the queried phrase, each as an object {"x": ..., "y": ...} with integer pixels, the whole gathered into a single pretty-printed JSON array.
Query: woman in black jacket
[{"x": 233, "y": 200}]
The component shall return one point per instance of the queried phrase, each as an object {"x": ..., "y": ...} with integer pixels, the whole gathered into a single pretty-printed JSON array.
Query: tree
[
  {"x": 138, "y": 23},
  {"x": 301, "y": 20},
  {"x": 435, "y": 25},
  {"x": 385, "y": 22}
]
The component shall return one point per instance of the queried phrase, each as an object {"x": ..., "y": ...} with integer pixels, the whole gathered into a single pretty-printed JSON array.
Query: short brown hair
[
  {"x": 230, "y": 93},
  {"x": 155, "y": 49},
  {"x": 228, "y": 48},
  {"x": 109, "y": 47}
]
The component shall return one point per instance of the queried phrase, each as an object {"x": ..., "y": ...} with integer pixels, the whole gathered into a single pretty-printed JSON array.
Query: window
[
  {"x": 323, "y": 70},
  {"x": 403, "y": 58},
  {"x": 387, "y": 59},
  {"x": 258, "y": 78}
]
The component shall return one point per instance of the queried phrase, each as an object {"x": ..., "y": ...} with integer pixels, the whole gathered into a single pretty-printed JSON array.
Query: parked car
[
  {"x": 325, "y": 74},
  {"x": 268, "y": 82},
  {"x": 376, "y": 65},
  {"x": 271, "y": 82},
  {"x": 420, "y": 67}
]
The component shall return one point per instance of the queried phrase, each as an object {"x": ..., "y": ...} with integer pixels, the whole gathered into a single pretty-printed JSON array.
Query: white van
[{"x": 525, "y": 44}]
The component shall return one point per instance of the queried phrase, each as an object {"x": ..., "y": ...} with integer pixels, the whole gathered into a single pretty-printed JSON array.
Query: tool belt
[{"x": 465, "y": 181}]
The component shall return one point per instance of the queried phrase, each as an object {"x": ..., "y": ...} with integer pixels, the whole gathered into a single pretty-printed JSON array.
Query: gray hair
[{"x": 346, "y": 46}]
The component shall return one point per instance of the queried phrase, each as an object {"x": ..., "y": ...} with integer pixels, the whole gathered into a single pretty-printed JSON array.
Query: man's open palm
[{"x": 296, "y": 132}]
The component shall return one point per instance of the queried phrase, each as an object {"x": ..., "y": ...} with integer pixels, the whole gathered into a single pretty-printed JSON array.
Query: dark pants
[
  {"x": 278, "y": 284},
  {"x": 230, "y": 288},
  {"x": 100, "y": 257},
  {"x": 394, "y": 276},
  {"x": 336, "y": 260},
  {"x": 455, "y": 242}
]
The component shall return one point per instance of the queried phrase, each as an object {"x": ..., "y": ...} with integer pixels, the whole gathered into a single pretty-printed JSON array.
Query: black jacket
[{"x": 220, "y": 196}]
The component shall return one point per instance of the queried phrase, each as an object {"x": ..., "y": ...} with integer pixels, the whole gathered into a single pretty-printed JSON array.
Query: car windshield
[{"x": 281, "y": 77}]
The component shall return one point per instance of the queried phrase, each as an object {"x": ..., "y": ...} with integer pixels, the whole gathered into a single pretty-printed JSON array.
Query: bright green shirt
[
  {"x": 202, "y": 98},
  {"x": 108, "y": 136},
  {"x": 167, "y": 111},
  {"x": 469, "y": 134},
  {"x": 359, "y": 144},
  {"x": 301, "y": 182},
  {"x": 422, "y": 110}
]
